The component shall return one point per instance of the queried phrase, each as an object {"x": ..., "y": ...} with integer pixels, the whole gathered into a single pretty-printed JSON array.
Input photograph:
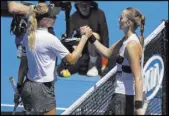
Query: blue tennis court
[{"x": 68, "y": 90}]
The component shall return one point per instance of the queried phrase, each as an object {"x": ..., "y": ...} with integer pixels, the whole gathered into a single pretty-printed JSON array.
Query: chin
[{"x": 85, "y": 14}]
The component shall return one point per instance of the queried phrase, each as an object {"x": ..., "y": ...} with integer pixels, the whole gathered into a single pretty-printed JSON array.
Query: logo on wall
[{"x": 153, "y": 73}]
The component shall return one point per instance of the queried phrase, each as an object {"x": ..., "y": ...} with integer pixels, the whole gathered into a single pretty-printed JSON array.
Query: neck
[
  {"x": 87, "y": 16},
  {"x": 42, "y": 27},
  {"x": 46, "y": 23},
  {"x": 129, "y": 33}
]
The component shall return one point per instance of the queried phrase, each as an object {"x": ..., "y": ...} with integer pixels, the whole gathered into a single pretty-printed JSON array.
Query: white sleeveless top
[{"x": 124, "y": 83}]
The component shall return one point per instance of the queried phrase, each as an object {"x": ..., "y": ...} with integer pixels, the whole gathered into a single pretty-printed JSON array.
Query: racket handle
[{"x": 11, "y": 79}]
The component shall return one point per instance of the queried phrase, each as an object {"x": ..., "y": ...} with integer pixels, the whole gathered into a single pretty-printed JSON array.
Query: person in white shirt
[
  {"x": 42, "y": 48},
  {"x": 128, "y": 82}
]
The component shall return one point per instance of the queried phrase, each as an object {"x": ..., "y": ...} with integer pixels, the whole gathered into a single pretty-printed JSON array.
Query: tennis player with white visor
[{"x": 42, "y": 48}]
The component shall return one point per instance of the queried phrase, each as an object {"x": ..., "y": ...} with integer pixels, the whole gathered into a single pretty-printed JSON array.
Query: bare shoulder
[{"x": 133, "y": 46}]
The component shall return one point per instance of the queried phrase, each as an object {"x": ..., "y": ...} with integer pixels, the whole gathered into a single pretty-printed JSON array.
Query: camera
[{"x": 65, "y": 5}]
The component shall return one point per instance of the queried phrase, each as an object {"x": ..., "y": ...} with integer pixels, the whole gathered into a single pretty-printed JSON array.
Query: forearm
[
  {"x": 21, "y": 74},
  {"x": 23, "y": 69},
  {"x": 77, "y": 52},
  {"x": 138, "y": 89},
  {"x": 18, "y": 8},
  {"x": 106, "y": 52}
]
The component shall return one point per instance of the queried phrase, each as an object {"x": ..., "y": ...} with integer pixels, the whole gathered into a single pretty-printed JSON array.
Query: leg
[
  {"x": 55, "y": 70},
  {"x": 104, "y": 67},
  {"x": 92, "y": 71},
  {"x": 117, "y": 105},
  {"x": 51, "y": 112},
  {"x": 39, "y": 98},
  {"x": 129, "y": 105},
  {"x": 92, "y": 53},
  {"x": 120, "y": 102}
]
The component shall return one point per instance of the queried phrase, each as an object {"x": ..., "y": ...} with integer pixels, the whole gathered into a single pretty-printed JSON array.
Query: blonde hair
[
  {"x": 142, "y": 29},
  {"x": 138, "y": 19},
  {"x": 34, "y": 11}
]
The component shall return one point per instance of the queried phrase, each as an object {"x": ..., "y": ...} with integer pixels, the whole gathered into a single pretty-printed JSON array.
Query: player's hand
[
  {"x": 64, "y": 36},
  {"x": 86, "y": 30},
  {"x": 16, "y": 98},
  {"x": 17, "y": 95},
  {"x": 139, "y": 111}
]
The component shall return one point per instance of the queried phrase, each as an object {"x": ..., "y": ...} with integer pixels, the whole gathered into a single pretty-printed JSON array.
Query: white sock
[{"x": 93, "y": 59}]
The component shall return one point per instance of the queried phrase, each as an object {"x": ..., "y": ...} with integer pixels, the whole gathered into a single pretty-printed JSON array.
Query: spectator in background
[{"x": 88, "y": 13}]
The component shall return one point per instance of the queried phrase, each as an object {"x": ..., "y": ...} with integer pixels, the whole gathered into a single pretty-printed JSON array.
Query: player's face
[
  {"x": 84, "y": 8},
  {"x": 124, "y": 21}
]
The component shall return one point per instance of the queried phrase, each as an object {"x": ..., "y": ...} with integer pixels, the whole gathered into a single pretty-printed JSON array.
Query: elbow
[
  {"x": 11, "y": 7},
  {"x": 105, "y": 53},
  {"x": 138, "y": 79},
  {"x": 108, "y": 54},
  {"x": 71, "y": 61}
]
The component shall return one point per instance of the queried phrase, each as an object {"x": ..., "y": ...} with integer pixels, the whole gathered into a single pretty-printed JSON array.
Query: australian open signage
[{"x": 153, "y": 73}]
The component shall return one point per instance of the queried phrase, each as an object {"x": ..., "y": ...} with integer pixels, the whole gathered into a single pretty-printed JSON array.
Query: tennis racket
[{"x": 11, "y": 79}]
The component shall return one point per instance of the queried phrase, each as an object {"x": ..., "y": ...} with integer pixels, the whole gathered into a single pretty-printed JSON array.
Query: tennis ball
[{"x": 65, "y": 73}]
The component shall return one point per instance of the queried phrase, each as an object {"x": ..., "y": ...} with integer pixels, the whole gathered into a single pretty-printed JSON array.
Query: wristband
[
  {"x": 138, "y": 104},
  {"x": 92, "y": 39}
]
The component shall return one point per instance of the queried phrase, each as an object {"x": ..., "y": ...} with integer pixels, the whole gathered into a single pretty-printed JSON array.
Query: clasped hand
[{"x": 86, "y": 30}]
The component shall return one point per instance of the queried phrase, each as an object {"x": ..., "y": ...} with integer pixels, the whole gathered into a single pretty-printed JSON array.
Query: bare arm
[
  {"x": 23, "y": 69},
  {"x": 74, "y": 56},
  {"x": 108, "y": 52},
  {"x": 18, "y": 8},
  {"x": 133, "y": 53}
]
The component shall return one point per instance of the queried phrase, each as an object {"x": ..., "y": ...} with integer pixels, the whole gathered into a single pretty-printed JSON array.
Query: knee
[{"x": 51, "y": 112}]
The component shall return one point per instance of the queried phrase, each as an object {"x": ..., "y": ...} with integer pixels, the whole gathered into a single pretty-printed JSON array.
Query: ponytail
[
  {"x": 139, "y": 20},
  {"x": 32, "y": 26},
  {"x": 142, "y": 23}
]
